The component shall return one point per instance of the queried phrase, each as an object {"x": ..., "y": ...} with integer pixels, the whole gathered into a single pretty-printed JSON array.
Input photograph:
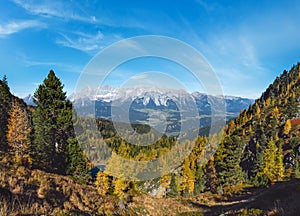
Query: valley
[{"x": 249, "y": 167}]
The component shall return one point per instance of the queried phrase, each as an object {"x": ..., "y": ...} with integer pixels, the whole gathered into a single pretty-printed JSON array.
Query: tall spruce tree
[
  {"x": 227, "y": 161},
  {"x": 50, "y": 140},
  {"x": 211, "y": 176},
  {"x": 54, "y": 146},
  {"x": 173, "y": 190},
  {"x": 200, "y": 179}
]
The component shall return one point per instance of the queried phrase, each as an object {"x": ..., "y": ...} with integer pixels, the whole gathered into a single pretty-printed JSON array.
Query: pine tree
[
  {"x": 54, "y": 146},
  {"x": 5, "y": 106},
  {"x": 199, "y": 179},
  {"x": 296, "y": 171},
  {"x": 228, "y": 158},
  {"x": 77, "y": 164},
  {"x": 211, "y": 176},
  {"x": 19, "y": 128},
  {"x": 258, "y": 178},
  {"x": 50, "y": 146},
  {"x": 291, "y": 107},
  {"x": 173, "y": 190}
]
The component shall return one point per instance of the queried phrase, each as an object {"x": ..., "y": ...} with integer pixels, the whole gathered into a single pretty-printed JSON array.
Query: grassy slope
[
  {"x": 24, "y": 191},
  {"x": 35, "y": 192}
]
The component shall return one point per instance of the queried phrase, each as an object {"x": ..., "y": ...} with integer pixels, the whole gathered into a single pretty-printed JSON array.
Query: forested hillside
[
  {"x": 258, "y": 147},
  {"x": 266, "y": 136}
]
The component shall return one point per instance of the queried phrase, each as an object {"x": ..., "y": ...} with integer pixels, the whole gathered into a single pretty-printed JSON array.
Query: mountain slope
[
  {"x": 29, "y": 100},
  {"x": 270, "y": 119}
]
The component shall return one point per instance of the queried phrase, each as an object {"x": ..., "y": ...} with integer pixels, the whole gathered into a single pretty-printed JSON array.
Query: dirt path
[{"x": 235, "y": 203}]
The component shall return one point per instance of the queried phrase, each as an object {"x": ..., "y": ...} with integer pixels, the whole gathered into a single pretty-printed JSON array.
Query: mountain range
[
  {"x": 154, "y": 106},
  {"x": 151, "y": 105}
]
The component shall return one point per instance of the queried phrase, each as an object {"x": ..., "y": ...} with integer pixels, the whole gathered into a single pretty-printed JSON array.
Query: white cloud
[
  {"x": 207, "y": 5},
  {"x": 236, "y": 60},
  {"x": 17, "y": 26},
  {"x": 29, "y": 63},
  {"x": 53, "y": 65},
  {"x": 82, "y": 41},
  {"x": 57, "y": 9}
]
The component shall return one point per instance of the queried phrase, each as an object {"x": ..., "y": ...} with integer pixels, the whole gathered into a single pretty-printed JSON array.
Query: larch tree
[
  {"x": 257, "y": 110},
  {"x": 188, "y": 179},
  {"x": 165, "y": 181},
  {"x": 103, "y": 183},
  {"x": 121, "y": 186},
  {"x": 269, "y": 168},
  {"x": 287, "y": 127},
  {"x": 19, "y": 128}
]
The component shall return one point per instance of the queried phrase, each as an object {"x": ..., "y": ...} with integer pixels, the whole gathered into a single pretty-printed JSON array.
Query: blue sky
[{"x": 248, "y": 43}]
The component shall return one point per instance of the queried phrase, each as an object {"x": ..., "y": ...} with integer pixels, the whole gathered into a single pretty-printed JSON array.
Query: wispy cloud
[
  {"x": 16, "y": 26},
  {"x": 235, "y": 58},
  {"x": 30, "y": 63},
  {"x": 207, "y": 5},
  {"x": 81, "y": 41},
  {"x": 59, "y": 9},
  {"x": 54, "y": 65}
]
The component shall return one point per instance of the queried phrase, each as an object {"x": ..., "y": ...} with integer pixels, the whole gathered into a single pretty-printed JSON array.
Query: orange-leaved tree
[{"x": 19, "y": 128}]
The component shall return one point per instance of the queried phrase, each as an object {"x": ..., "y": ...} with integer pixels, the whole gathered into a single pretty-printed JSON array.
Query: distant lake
[{"x": 96, "y": 169}]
